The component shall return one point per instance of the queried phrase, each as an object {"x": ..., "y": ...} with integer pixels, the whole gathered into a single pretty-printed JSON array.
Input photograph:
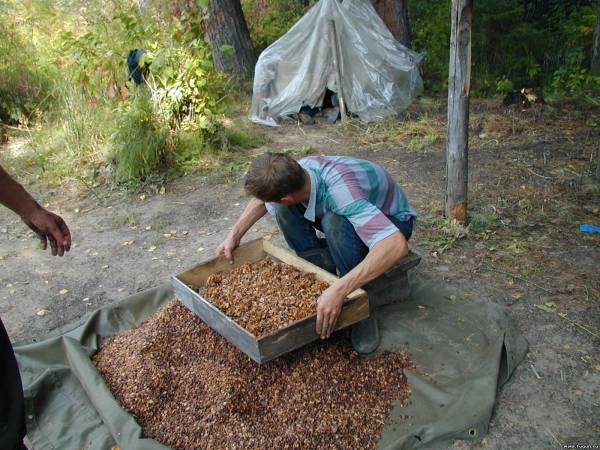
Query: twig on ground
[
  {"x": 537, "y": 375},
  {"x": 517, "y": 277},
  {"x": 554, "y": 437},
  {"x": 538, "y": 175},
  {"x": 11, "y": 127},
  {"x": 578, "y": 325},
  {"x": 590, "y": 401},
  {"x": 92, "y": 190}
]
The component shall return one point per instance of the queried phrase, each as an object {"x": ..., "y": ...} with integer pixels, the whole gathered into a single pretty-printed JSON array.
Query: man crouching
[{"x": 364, "y": 215}]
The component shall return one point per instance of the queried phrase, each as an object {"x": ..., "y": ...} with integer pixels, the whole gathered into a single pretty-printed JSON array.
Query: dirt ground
[{"x": 530, "y": 189}]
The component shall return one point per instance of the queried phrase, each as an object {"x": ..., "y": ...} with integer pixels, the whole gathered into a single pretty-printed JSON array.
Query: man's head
[{"x": 275, "y": 177}]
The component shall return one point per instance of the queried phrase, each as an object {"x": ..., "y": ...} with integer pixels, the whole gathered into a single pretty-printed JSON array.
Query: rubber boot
[
  {"x": 319, "y": 257},
  {"x": 365, "y": 335}
]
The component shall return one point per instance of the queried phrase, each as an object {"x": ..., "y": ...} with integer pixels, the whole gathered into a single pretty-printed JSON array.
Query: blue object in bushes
[
  {"x": 587, "y": 228},
  {"x": 136, "y": 73}
]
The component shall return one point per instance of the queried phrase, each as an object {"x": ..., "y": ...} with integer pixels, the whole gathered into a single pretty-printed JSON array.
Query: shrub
[
  {"x": 26, "y": 81},
  {"x": 141, "y": 143}
]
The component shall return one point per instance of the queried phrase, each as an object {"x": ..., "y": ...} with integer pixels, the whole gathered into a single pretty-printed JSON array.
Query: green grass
[
  {"x": 241, "y": 139},
  {"x": 142, "y": 144}
]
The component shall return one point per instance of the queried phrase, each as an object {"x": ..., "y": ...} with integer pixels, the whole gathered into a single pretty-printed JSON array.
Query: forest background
[{"x": 64, "y": 88}]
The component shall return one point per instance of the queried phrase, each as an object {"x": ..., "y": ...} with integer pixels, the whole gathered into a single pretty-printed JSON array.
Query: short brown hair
[{"x": 272, "y": 176}]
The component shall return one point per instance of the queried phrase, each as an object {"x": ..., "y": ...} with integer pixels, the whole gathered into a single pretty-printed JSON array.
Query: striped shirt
[{"x": 359, "y": 190}]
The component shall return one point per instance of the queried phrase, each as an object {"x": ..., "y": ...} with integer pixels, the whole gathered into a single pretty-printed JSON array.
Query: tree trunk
[
  {"x": 230, "y": 39},
  {"x": 459, "y": 85},
  {"x": 598, "y": 163},
  {"x": 394, "y": 14},
  {"x": 596, "y": 47}
]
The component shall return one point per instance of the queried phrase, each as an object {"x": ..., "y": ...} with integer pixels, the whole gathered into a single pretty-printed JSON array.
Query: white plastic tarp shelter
[{"x": 379, "y": 76}]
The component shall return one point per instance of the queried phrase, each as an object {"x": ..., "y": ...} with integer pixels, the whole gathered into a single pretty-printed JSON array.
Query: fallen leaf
[
  {"x": 42, "y": 312},
  {"x": 185, "y": 233},
  {"x": 517, "y": 295},
  {"x": 167, "y": 235},
  {"x": 597, "y": 367},
  {"x": 127, "y": 243},
  {"x": 120, "y": 289},
  {"x": 268, "y": 237},
  {"x": 548, "y": 306},
  {"x": 151, "y": 249},
  {"x": 143, "y": 197},
  {"x": 578, "y": 392},
  {"x": 105, "y": 266},
  {"x": 420, "y": 307},
  {"x": 63, "y": 291},
  {"x": 162, "y": 190},
  {"x": 149, "y": 227}
]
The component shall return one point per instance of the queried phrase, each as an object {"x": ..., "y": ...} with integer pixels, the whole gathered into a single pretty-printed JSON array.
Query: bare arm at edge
[{"x": 48, "y": 226}]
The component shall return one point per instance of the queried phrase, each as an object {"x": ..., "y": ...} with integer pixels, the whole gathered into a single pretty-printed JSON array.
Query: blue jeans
[{"x": 341, "y": 248}]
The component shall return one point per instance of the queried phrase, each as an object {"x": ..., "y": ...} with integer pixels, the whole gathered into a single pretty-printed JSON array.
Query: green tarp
[{"x": 463, "y": 350}]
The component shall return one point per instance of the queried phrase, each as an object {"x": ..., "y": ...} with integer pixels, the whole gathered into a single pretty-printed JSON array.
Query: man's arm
[
  {"x": 48, "y": 226},
  {"x": 380, "y": 258},
  {"x": 255, "y": 210}
]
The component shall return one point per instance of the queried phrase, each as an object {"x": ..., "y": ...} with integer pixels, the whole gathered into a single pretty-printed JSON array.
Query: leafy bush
[
  {"x": 271, "y": 19},
  {"x": 26, "y": 77},
  {"x": 170, "y": 123},
  {"x": 141, "y": 142},
  {"x": 515, "y": 44}
]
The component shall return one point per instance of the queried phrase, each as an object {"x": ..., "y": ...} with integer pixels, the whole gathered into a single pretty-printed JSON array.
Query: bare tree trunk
[
  {"x": 596, "y": 46},
  {"x": 395, "y": 15},
  {"x": 598, "y": 163},
  {"x": 459, "y": 85},
  {"x": 230, "y": 39}
]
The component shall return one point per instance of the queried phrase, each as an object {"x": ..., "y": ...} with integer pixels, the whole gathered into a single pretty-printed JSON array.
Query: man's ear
[{"x": 287, "y": 200}]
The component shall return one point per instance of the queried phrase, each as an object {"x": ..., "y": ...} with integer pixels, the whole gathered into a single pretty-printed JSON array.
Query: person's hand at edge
[{"x": 50, "y": 228}]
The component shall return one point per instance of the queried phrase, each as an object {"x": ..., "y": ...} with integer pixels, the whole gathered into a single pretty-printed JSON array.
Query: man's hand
[
  {"x": 228, "y": 246},
  {"x": 49, "y": 227},
  {"x": 329, "y": 307},
  {"x": 254, "y": 211}
]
